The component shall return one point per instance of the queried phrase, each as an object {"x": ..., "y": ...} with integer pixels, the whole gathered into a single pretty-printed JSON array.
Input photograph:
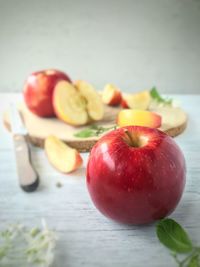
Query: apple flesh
[
  {"x": 94, "y": 104},
  {"x": 136, "y": 175},
  {"x": 38, "y": 91},
  {"x": 137, "y": 117},
  {"x": 77, "y": 104},
  {"x": 69, "y": 105},
  {"x": 140, "y": 100},
  {"x": 111, "y": 95},
  {"x": 62, "y": 157}
]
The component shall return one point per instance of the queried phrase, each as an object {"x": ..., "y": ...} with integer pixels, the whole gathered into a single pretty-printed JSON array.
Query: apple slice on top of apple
[
  {"x": 77, "y": 104},
  {"x": 127, "y": 117}
]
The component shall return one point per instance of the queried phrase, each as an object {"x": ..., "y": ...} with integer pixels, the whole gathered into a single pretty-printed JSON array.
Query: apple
[
  {"x": 38, "y": 91},
  {"x": 62, "y": 157},
  {"x": 140, "y": 100},
  {"x": 138, "y": 117},
  {"x": 136, "y": 175},
  {"x": 77, "y": 104},
  {"x": 111, "y": 95}
]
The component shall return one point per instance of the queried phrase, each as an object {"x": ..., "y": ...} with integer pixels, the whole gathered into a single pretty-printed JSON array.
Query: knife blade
[{"x": 28, "y": 177}]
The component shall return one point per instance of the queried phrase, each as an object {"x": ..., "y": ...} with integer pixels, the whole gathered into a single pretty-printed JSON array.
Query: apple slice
[
  {"x": 138, "y": 117},
  {"x": 94, "y": 104},
  {"x": 111, "y": 95},
  {"x": 124, "y": 102},
  {"x": 139, "y": 100},
  {"x": 69, "y": 104},
  {"x": 64, "y": 158}
]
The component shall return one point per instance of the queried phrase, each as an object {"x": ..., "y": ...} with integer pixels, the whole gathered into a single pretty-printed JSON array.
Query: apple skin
[
  {"x": 123, "y": 103},
  {"x": 116, "y": 100},
  {"x": 38, "y": 91},
  {"x": 136, "y": 185}
]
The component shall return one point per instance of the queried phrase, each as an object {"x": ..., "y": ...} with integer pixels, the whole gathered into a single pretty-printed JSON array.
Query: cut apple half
[
  {"x": 94, "y": 104},
  {"x": 111, "y": 95},
  {"x": 77, "y": 104},
  {"x": 139, "y": 100},
  {"x": 136, "y": 117},
  {"x": 69, "y": 104},
  {"x": 62, "y": 157}
]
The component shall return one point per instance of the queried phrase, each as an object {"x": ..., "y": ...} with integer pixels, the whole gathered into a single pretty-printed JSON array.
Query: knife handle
[{"x": 28, "y": 178}]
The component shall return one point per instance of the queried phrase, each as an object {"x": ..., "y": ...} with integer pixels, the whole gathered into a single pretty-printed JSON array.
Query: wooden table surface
[{"x": 86, "y": 238}]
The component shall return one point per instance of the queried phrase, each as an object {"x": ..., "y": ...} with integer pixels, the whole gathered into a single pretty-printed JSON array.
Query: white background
[{"x": 134, "y": 44}]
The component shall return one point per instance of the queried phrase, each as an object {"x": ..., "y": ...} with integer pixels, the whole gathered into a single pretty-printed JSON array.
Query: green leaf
[
  {"x": 173, "y": 236},
  {"x": 85, "y": 133},
  {"x": 194, "y": 261},
  {"x": 157, "y": 97},
  {"x": 93, "y": 130},
  {"x": 94, "y": 127}
]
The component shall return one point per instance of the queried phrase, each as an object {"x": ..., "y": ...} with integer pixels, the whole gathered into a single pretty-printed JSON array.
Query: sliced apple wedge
[
  {"x": 111, "y": 95},
  {"x": 64, "y": 158},
  {"x": 139, "y": 100},
  {"x": 138, "y": 117},
  {"x": 69, "y": 105},
  {"x": 124, "y": 102},
  {"x": 94, "y": 104}
]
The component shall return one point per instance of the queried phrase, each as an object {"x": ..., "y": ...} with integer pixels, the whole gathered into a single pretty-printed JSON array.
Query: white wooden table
[{"x": 86, "y": 238}]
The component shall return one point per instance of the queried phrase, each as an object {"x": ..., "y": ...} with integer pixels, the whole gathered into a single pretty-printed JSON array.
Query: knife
[{"x": 28, "y": 178}]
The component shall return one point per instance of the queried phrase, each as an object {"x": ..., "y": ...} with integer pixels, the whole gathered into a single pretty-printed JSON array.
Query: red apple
[
  {"x": 38, "y": 91},
  {"x": 136, "y": 174}
]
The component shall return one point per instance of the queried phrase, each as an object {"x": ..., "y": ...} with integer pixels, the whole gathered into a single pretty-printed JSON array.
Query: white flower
[{"x": 19, "y": 245}]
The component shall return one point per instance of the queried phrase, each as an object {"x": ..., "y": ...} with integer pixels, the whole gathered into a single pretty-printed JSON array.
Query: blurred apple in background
[
  {"x": 38, "y": 91},
  {"x": 136, "y": 175}
]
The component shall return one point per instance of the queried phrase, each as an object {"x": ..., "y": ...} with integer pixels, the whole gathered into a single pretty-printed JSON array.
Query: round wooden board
[{"x": 39, "y": 128}]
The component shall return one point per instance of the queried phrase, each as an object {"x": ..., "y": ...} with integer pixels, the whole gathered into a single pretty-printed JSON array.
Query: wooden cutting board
[{"x": 39, "y": 128}]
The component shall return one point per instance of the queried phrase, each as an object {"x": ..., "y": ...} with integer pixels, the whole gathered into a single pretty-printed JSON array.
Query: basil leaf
[
  {"x": 156, "y": 96},
  {"x": 93, "y": 130},
  {"x": 94, "y": 127},
  {"x": 173, "y": 236},
  {"x": 85, "y": 133},
  {"x": 194, "y": 261}
]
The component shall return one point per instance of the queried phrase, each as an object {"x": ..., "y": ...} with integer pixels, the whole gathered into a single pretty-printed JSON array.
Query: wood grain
[
  {"x": 40, "y": 128},
  {"x": 85, "y": 237}
]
